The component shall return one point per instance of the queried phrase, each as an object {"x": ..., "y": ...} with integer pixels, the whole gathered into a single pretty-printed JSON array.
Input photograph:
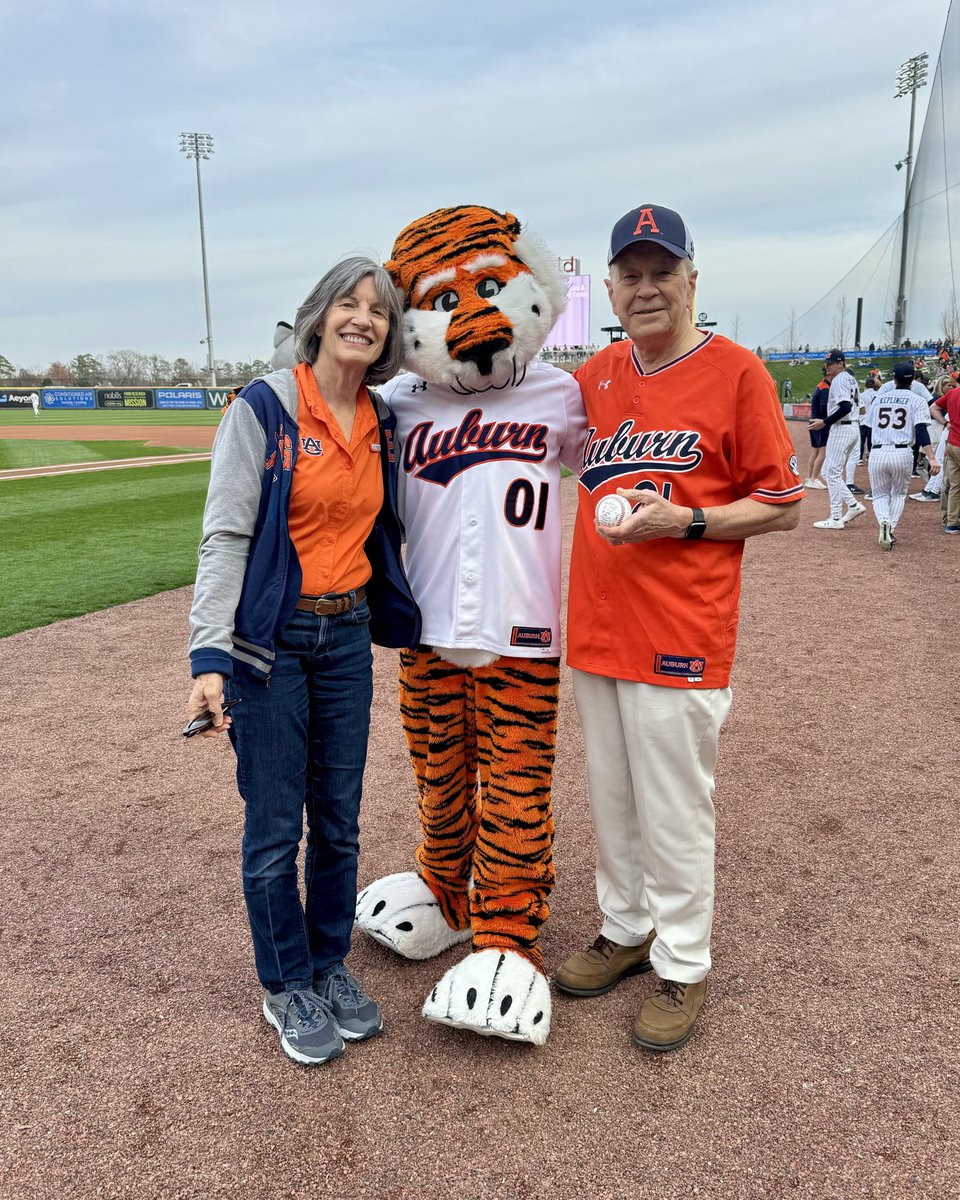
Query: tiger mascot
[{"x": 482, "y": 430}]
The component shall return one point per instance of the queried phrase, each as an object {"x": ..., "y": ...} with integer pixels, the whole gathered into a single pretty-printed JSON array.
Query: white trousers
[
  {"x": 651, "y": 756},
  {"x": 890, "y": 471},
  {"x": 840, "y": 442},
  {"x": 853, "y": 459},
  {"x": 935, "y": 482}
]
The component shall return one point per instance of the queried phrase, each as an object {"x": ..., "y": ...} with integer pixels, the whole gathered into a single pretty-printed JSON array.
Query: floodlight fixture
[
  {"x": 197, "y": 146},
  {"x": 910, "y": 78}
]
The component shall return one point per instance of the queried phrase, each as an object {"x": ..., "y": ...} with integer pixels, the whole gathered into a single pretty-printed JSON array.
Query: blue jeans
[{"x": 301, "y": 743}]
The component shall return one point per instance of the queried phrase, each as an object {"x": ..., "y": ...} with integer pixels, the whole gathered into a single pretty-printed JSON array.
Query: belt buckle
[{"x": 331, "y": 606}]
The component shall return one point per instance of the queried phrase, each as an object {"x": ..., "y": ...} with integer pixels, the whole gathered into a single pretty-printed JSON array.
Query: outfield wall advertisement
[
  {"x": 180, "y": 398},
  {"x": 17, "y": 397},
  {"x": 68, "y": 398},
  {"x": 124, "y": 397},
  {"x": 117, "y": 398},
  {"x": 862, "y": 356}
]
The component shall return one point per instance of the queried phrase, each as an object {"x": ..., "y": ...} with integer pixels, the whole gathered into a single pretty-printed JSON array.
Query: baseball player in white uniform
[
  {"x": 904, "y": 375},
  {"x": 934, "y": 485},
  {"x": 897, "y": 417},
  {"x": 842, "y": 419}
]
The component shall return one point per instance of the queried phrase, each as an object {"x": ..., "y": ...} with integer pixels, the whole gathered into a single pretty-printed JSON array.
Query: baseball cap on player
[
  {"x": 836, "y": 356},
  {"x": 651, "y": 223},
  {"x": 904, "y": 372}
]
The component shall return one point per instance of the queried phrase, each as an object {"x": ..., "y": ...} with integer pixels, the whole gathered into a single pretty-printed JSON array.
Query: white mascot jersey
[{"x": 483, "y": 429}]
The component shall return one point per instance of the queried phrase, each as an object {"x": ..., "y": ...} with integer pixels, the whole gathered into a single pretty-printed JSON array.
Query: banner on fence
[
  {"x": 217, "y": 397},
  {"x": 180, "y": 398},
  {"x": 797, "y": 412},
  {"x": 69, "y": 398},
  {"x": 125, "y": 397},
  {"x": 18, "y": 397}
]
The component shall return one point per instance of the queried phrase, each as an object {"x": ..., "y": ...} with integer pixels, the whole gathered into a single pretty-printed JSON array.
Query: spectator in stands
[{"x": 299, "y": 564}]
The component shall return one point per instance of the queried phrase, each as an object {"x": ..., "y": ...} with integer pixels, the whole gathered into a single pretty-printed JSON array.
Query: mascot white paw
[
  {"x": 401, "y": 912},
  {"x": 493, "y": 992}
]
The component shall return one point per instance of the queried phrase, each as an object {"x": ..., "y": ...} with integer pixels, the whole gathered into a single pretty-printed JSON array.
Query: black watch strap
[{"x": 697, "y": 527}]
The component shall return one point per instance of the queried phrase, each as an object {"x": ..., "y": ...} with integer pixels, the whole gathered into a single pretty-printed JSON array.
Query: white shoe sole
[{"x": 349, "y": 1036}]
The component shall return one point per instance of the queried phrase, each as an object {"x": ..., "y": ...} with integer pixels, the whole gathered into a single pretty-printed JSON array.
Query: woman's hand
[{"x": 207, "y": 695}]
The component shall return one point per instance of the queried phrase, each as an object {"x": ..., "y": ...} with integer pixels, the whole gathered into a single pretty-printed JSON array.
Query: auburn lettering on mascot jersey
[{"x": 483, "y": 428}]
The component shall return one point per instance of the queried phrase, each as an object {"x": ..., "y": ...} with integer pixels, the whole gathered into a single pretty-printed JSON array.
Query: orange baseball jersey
[{"x": 703, "y": 431}]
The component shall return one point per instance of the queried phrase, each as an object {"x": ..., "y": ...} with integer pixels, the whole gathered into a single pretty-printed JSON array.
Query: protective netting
[{"x": 933, "y": 240}]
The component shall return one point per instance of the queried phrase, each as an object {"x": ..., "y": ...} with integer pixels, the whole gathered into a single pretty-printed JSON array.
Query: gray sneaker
[
  {"x": 308, "y": 1034},
  {"x": 355, "y": 1015}
]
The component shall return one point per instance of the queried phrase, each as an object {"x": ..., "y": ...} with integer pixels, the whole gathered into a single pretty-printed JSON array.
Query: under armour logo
[
  {"x": 418, "y": 387},
  {"x": 603, "y": 386}
]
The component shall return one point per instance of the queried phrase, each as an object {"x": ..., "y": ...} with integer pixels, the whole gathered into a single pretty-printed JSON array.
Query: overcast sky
[{"x": 770, "y": 126}]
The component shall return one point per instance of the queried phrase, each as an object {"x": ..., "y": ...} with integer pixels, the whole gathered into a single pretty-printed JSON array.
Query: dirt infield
[
  {"x": 189, "y": 437},
  {"x": 135, "y": 1062}
]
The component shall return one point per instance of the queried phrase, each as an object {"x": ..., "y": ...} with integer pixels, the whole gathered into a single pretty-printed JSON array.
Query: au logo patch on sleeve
[{"x": 675, "y": 664}]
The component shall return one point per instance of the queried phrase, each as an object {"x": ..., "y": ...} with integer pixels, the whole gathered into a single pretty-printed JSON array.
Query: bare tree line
[{"x": 126, "y": 368}]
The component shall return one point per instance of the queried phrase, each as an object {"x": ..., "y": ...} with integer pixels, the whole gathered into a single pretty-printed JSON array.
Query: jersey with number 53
[
  {"x": 479, "y": 495},
  {"x": 894, "y": 416}
]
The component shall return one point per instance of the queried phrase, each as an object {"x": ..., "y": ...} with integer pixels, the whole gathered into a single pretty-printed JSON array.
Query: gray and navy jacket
[{"x": 249, "y": 576}]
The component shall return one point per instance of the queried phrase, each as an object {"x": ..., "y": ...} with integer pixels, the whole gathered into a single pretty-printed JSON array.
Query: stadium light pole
[
  {"x": 910, "y": 78},
  {"x": 197, "y": 146}
]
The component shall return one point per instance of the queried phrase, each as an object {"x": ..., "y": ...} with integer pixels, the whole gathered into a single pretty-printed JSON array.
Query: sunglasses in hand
[{"x": 205, "y": 719}]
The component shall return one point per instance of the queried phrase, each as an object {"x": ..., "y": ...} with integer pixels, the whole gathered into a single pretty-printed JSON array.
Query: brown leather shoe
[
  {"x": 596, "y": 970},
  {"x": 667, "y": 1017}
]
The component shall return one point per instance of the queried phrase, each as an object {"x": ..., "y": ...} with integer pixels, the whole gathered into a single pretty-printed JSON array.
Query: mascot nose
[{"x": 482, "y": 354}]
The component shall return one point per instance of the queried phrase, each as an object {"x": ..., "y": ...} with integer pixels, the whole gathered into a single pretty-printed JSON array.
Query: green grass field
[
  {"x": 31, "y": 453},
  {"x": 807, "y": 375},
  {"x": 107, "y": 416},
  {"x": 77, "y": 544}
]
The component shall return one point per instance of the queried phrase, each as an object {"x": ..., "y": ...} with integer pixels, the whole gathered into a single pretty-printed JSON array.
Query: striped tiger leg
[
  {"x": 513, "y": 862},
  {"x": 437, "y": 709}
]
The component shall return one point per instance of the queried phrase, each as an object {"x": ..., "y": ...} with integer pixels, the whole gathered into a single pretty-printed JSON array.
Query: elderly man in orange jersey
[{"x": 686, "y": 426}]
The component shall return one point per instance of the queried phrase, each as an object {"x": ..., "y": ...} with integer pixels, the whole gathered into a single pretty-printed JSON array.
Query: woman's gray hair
[{"x": 340, "y": 281}]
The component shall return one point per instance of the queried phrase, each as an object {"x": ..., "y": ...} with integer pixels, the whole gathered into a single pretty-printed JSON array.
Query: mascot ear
[
  {"x": 512, "y": 225},
  {"x": 393, "y": 270}
]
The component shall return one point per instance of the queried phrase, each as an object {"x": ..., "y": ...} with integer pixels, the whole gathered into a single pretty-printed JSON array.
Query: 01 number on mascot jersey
[{"x": 521, "y": 500}]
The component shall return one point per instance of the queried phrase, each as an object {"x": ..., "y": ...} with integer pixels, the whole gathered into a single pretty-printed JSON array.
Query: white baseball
[{"x": 612, "y": 510}]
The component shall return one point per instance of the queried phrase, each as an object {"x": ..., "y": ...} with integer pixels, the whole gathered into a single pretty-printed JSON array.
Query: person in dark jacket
[{"x": 300, "y": 569}]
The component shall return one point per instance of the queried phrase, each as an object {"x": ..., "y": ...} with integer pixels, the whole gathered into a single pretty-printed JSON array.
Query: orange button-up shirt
[{"x": 337, "y": 490}]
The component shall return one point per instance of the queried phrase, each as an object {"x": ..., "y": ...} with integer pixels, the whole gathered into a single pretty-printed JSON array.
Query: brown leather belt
[{"x": 332, "y": 605}]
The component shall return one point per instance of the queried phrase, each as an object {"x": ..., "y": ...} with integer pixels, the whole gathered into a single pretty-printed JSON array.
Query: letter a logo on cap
[{"x": 646, "y": 222}]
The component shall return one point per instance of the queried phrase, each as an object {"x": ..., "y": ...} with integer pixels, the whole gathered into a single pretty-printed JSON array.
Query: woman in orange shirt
[{"x": 299, "y": 565}]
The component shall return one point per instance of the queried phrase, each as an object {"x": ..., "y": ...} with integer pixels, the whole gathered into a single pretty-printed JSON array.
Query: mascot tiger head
[{"x": 480, "y": 296}]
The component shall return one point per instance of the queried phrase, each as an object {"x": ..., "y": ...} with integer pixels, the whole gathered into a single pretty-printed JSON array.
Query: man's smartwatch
[{"x": 697, "y": 527}]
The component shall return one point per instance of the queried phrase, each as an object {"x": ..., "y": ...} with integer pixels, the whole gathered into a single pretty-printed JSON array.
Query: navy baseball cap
[
  {"x": 836, "y": 356},
  {"x": 651, "y": 223},
  {"x": 904, "y": 371}
]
